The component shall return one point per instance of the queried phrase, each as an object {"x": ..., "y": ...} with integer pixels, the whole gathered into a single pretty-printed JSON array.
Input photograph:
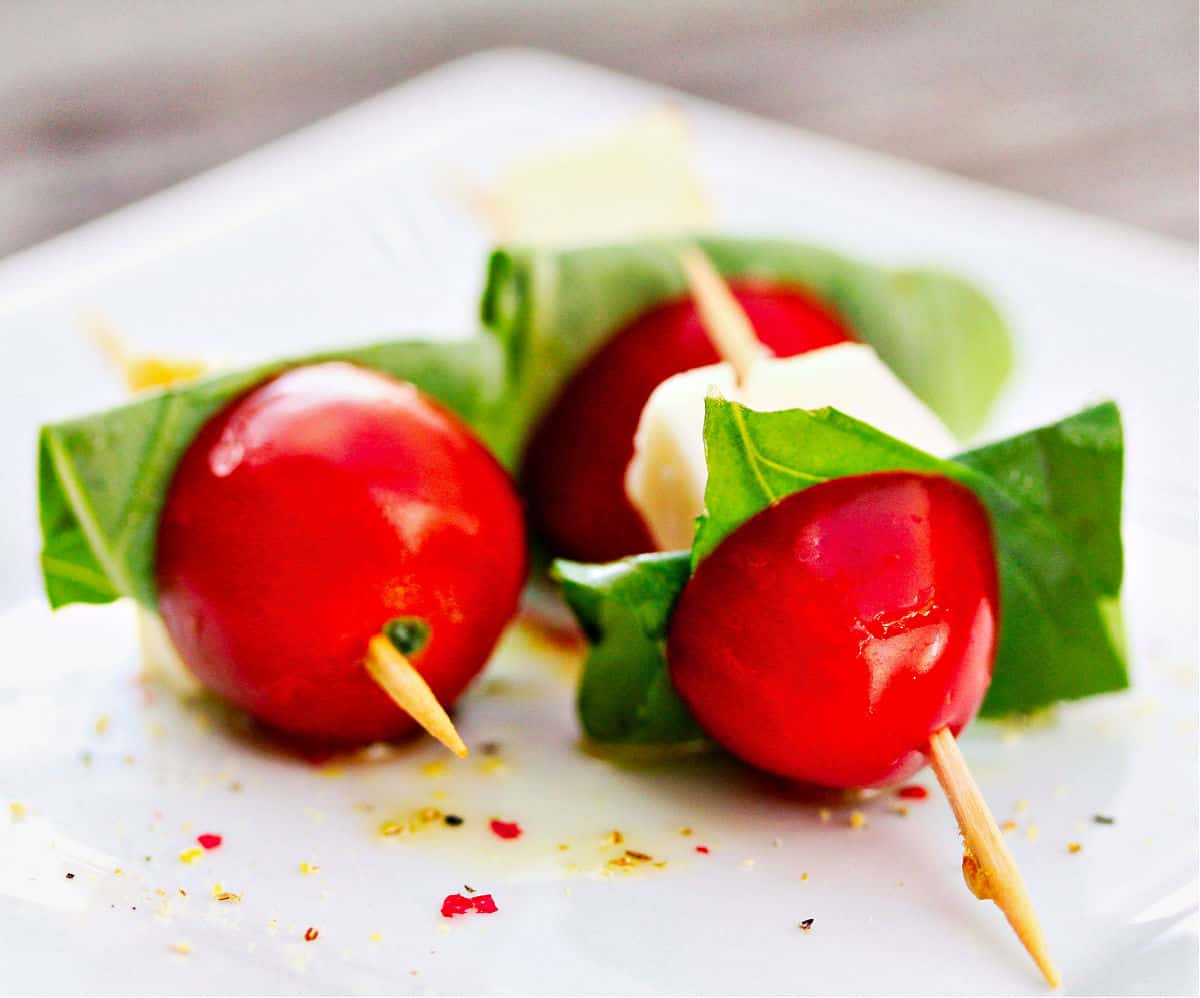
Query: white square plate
[{"x": 352, "y": 230}]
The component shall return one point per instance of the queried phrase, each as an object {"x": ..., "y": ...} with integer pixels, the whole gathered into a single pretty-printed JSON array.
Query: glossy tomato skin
[
  {"x": 829, "y": 636},
  {"x": 309, "y": 513},
  {"x": 574, "y": 468}
]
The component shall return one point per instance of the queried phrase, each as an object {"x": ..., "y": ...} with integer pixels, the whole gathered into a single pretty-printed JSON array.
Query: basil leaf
[
  {"x": 1054, "y": 496},
  {"x": 625, "y": 692},
  {"x": 1071, "y": 473},
  {"x": 103, "y": 479},
  {"x": 754, "y": 460},
  {"x": 553, "y": 308}
]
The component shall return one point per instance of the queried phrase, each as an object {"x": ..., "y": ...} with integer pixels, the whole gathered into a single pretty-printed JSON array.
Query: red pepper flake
[
  {"x": 703, "y": 849},
  {"x": 310, "y": 934},
  {"x": 506, "y": 829},
  {"x": 209, "y": 841},
  {"x": 457, "y": 904},
  {"x": 914, "y": 791}
]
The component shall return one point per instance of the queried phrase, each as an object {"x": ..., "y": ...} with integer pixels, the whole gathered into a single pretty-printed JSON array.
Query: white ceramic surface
[{"x": 352, "y": 230}]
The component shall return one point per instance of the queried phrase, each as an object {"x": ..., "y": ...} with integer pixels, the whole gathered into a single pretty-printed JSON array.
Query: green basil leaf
[
  {"x": 754, "y": 460},
  {"x": 1054, "y": 496},
  {"x": 102, "y": 479},
  {"x": 625, "y": 692},
  {"x": 553, "y": 308},
  {"x": 1071, "y": 473}
]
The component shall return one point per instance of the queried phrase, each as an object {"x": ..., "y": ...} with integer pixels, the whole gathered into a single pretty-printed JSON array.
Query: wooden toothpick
[
  {"x": 988, "y": 866},
  {"x": 398, "y": 678},
  {"x": 141, "y": 372},
  {"x": 724, "y": 320}
]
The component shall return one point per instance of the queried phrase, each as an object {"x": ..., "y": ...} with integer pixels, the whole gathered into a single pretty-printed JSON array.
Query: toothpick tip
[
  {"x": 400, "y": 680},
  {"x": 988, "y": 866}
]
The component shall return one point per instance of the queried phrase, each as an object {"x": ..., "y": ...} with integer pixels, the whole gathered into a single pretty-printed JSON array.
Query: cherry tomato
[
  {"x": 829, "y": 636},
  {"x": 309, "y": 514},
  {"x": 574, "y": 469}
]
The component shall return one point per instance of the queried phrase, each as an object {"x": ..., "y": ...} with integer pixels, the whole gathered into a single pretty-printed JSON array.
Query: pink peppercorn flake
[
  {"x": 209, "y": 841},
  {"x": 703, "y": 849},
  {"x": 506, "y": 829},
  {"x": 913, "y": 792},
  {"x": 458, "y": 904}
]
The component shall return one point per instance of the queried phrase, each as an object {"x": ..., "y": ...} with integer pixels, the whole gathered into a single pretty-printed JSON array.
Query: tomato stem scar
[{"x": 408, "y": 634}]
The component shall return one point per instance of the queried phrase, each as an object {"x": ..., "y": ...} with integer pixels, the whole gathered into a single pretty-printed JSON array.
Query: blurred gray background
[{"x": 1091, "y": 103}]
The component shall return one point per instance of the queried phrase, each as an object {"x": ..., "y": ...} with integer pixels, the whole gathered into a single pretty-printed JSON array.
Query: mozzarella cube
[{"x": 665, "y": 480}]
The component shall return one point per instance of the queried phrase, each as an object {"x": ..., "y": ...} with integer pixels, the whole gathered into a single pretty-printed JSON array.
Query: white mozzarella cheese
[{"x": 665, "y": 479}]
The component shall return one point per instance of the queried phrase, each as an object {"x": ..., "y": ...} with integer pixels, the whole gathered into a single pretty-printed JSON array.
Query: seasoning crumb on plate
[
  {"x": 458, "y": 904},
  {"x": 806, "y": 925},
  {"x": 505, "y": 829},
  {"x": 1074, "y": 847}
]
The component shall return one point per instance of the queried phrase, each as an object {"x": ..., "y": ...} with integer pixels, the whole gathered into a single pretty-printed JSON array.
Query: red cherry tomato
[
  {"x": 829, "y": 636},
  {"x": 574, "y": 468},
  {"x": 306, "y": 516}
]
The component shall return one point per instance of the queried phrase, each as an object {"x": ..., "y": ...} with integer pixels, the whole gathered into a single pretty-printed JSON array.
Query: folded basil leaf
[
  {"x": 553, "y": 308},
  {"x": 102, "y": 479},
  {"x": 1054, "y": 498},
  {"x": 1070, "y": 472},
  {"x": 625, "y": 692}
]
